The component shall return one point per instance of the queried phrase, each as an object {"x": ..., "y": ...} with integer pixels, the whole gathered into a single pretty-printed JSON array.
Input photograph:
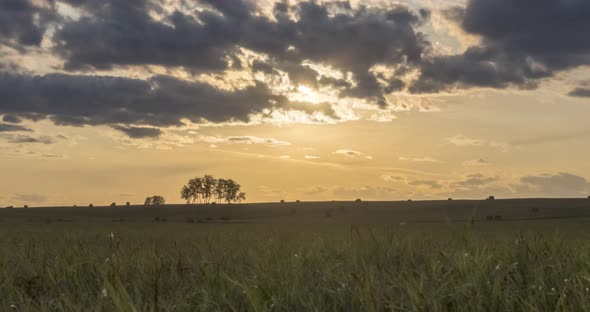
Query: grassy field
[
  {"x": 503, "y": 266},
  {"x": 313, "y": 212}
]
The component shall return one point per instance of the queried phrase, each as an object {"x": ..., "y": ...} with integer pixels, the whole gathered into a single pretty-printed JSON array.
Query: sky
[{"x": 112, "y": 101}]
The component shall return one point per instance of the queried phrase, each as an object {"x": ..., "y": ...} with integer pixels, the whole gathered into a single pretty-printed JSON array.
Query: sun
[{"x": 304, "y": 93}]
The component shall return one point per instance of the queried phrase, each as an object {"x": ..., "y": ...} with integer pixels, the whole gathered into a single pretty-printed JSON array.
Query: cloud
[
  {"x": 139, "y": 132},
  {"x": 560, "y": 184},
  {"x": 428, "y": 183},
  {"x": 420, "y": 159},
  {"x": 157, "y": 101},
  {"x": 13, "y": 128},
  {"x": 554, "y": 185},
  {"x": 245, "y": 139},
  {"x": 475, "y": 180},
  {"x": 349, "y": 39},
  {"x": 23, "y": 139},
  {"x": 23, "y": 23},
  {"x": 580, "y": 92},
  {"x": 465, "y": 141},
  {"x": 352, "y": 154},
  {"x": 461, "y": 140},
  {"x": 11, "y": 119},
  {"x": 347, "y": 152},
  {"x": 522, "y": 42},
  {"x": 30, "y": 198},
  {"x": 476, "y": 163}
]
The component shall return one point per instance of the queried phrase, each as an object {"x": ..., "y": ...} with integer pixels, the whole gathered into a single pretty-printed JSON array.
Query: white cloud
[
  {"x": 465, "y": 141},
  {"x": 420, "y": 159}
]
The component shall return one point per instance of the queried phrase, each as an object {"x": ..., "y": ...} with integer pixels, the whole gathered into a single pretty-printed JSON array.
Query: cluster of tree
[
  {"x": 204, "y": 189},
  {"x": 155, "y": 200}
]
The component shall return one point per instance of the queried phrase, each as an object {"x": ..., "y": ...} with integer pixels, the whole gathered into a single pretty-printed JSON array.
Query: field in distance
[{"x": 314, "y": 212}]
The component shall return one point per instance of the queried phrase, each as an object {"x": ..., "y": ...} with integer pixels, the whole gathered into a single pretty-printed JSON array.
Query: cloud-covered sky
[{"x": 300, "y": 98}]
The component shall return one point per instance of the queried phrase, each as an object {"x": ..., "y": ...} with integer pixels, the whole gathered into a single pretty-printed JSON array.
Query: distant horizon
[{"x": 120, "y": 205}]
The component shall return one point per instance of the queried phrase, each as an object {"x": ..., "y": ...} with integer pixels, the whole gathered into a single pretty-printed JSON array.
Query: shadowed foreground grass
[{"x": 180, "y": 267}]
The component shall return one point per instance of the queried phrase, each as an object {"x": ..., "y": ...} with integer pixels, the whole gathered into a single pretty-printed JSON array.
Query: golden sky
[{"x": 114, "y": 101}]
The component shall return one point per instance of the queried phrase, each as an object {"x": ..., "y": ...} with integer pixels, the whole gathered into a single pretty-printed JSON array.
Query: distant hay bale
[
  {"x": 26, "y": 206},
  {"x": 91, "y": 205},
  {"x": 10, "y": 207},
  {"x": 358, "y": 200},
  {"x": 282, "y": 201},
  {"x": 491, "y": 198},
  {"x": 128, "y": 204},
  {"x": 113, "y": 204},
  {"x": 450, "y": 198},
  {"x": 298, "y": 201}
]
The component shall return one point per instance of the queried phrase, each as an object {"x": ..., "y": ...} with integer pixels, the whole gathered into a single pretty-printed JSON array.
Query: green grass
[{"x": 193, "y": 267}]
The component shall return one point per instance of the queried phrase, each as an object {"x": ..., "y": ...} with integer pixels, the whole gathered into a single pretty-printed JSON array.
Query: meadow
[{"x": 541, "y": 265}]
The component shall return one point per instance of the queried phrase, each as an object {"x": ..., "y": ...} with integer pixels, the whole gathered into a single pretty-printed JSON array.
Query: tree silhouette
[
  {"x": 155, "y": 200},
  {"x": 202, "y": 189}
]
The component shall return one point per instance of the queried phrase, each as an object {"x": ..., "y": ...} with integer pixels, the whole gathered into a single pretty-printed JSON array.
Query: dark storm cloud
[
  {"x": 13, "y": 128},
  {"x": 352, "y": 40},
  {"x": 123, "y": 33},
  {"x": 522, "y": 41},
  {"x": 139, "y": 132},
  {"x": 22, "y": 23},
  {"x": 158, "y": 101}
]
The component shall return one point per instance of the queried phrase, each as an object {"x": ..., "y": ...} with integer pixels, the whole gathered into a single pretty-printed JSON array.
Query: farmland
[{"x": 337, "y": 256}]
